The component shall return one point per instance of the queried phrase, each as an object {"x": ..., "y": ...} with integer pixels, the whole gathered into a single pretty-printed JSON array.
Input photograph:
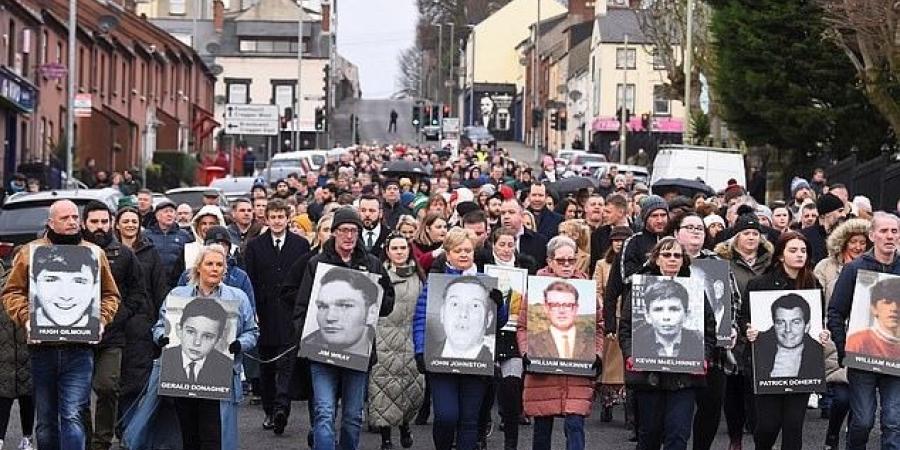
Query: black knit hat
[
  {"x": 216, "y": 235},
  {"x": 346, "y": 214},
  {"x": 746, "y": 222},
  {"x": 95, "y": 205},
  {"x": 828, "y": 203}
]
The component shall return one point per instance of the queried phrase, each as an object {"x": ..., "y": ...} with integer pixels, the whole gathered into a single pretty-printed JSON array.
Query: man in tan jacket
[{"x": 61, "y": 371}]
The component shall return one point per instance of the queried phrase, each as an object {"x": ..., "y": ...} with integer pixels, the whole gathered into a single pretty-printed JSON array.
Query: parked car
[
  {"x": 641, "y": 175},
  {"x": 234, "y": 187},
  {"x": 477, "y": 135},
  {"x": 194, "y": 196},
  {"x": 579, "y": 161},
  {"x": 24, "y": 215}
]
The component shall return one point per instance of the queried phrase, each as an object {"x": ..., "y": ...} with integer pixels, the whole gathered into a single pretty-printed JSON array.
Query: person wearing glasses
[
  {"x": 548, "y": 396},
  {"x": 666, "y": 399}
]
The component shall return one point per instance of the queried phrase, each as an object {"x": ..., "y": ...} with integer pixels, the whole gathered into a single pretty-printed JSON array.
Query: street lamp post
[
  {"x": 299, "y": 93},
  {"x": 688, "y": 60},
  {"x": 70, "y": 110},
  {"x": 534, "y": 84}
]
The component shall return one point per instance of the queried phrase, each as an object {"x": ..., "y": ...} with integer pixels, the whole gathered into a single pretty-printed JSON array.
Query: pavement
[
  {"x": 608, "y": 436},
  {"x": 374, "y": 117}
]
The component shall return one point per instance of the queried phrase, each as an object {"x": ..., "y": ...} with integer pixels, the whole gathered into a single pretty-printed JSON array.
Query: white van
[{"x": 715, "y": 166}]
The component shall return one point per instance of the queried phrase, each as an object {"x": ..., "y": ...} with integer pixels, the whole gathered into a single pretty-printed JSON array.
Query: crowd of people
[{"x": 453, "y": 217}]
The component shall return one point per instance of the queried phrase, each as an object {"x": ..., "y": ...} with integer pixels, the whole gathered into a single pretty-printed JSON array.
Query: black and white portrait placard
[
  {"x": 873, "y": 333},
  {"x": 667, "y": 319},
  {"x": 716, "y": 278},
  {"x": 460, "y": 324},
  {"x": 64, "y": 293},
  {"x": 787, "y": 354},
  {"x": 342, "y": 317},
  {"x": 562, "y": 325},
  {"x": 512, "y": 283},
  {"x": 196, "y": 362}
]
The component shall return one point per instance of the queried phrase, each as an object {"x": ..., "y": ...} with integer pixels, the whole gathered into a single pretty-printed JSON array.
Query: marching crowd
[{"x": 482, "y": 208}]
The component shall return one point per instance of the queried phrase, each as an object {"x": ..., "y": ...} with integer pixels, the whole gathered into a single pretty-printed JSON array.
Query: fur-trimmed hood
[
  {"x": 840, "y": 235},
  {"x": 726, "y": 251}
]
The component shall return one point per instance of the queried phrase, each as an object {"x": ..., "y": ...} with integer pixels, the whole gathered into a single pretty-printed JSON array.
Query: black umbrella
[
  {"x": 683, "y": 186},
  {"x": 403, "y": 168},
  {"x": 569, "y": 185}
]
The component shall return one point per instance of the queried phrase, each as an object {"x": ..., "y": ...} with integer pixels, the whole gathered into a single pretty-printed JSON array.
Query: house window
[
  {"x": 247, "y": 46},
  {"x": 596, "y": 105},
  {"x": 658, "y": 63},
  {"x": 283, "y": 95},
  {"x": 626, "y": 58},
  {"x": 238, "y": 92},
  {"x": 44, "y": 45},
  {"x": 628, "y": 91},
  {"x": 177, "y": 7},
  {"x": 660, "y": 101}
]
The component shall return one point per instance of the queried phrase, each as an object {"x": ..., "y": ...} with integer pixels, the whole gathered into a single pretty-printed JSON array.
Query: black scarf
[{"x": 63, "y": 239}]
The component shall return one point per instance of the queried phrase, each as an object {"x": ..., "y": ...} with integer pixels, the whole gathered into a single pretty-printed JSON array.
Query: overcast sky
[{"x": 371, "y": 34}]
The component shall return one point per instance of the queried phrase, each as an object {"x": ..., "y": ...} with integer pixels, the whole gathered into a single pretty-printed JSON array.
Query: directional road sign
[{"x": 260, "y": 120}]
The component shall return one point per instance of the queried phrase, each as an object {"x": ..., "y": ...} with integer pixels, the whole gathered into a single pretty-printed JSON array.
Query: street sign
[
  {"x": 53, "y": 71},
  {"x": 249, "y": 119},
  {"x": 82, "y": 105},
  {"x": 451, "y": 124}
]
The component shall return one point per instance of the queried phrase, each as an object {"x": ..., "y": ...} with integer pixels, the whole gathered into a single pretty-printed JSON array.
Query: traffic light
[
  {"x": 537, "y": 116},
  {"x": 287, "y": 117},
  {"x": 554, "y": 120},
  {"x": 417, "y": 116},
  {"x": 320, "y": 119},
  {"x": 434, "y": 115},
  {"x": 561, "y": 119}
]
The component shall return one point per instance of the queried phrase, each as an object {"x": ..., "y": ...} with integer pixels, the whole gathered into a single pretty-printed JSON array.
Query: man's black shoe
[
  {"x": 269, "y": 423},
  {"x": 280, "y": 422}
]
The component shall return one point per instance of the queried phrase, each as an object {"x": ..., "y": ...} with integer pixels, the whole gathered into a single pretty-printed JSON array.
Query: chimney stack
[
  {"x": 218, "y": 15},
  {"x": 326, "y": 16},
  {"x": 581, "y": 10}
]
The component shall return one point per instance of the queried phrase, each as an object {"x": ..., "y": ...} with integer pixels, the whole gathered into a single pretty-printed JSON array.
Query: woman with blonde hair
[
  {"x": 407, "y": 226},
  {"x": 579, "y": 232},
  {"x": 528, "y": 220}
]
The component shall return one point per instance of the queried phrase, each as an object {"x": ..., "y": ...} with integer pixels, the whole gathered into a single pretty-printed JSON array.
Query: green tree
[{"x": 782, "y": 83}]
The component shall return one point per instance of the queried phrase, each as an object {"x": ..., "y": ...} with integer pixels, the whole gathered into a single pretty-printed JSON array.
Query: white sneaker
[
  {"x": 26, "y": 443},
  {"x": 1, "y": 443},
  {"x": 813, "y": 401}
]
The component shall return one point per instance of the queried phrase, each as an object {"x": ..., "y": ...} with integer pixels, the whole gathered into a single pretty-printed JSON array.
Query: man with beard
[
  {"x": 493, "y": 210},
  {"x": 243, "y": 228},
  {"x": 126, "y": 271},
  {"x": 373, "y": 233},
  {"x": 327, "y": 195}
]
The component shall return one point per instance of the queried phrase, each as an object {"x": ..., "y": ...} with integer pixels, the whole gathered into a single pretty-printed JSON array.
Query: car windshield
[
  {"x": 277, "y": 163},
  {"x": 582, "y": 159},
  {"x": 29, "y": 216},
  {"x": 193, "y": 198}
]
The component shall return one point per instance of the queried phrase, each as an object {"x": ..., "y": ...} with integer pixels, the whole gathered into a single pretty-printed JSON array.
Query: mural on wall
[{"x": 494, "y": 110}]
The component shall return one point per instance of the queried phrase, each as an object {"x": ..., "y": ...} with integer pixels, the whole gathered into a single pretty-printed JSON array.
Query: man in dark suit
[
  {"x": 196, "y": 360},
  {"x": 268, "y": 259},
  {"x": 374, "y": 232},
  {"x": 528, "y": 242},
  {"x": 563, "y": 340},
  {"x": 665, "y": 311},
  {"x": 546, "y": 221},
  {"x": 787, "y": 350}
]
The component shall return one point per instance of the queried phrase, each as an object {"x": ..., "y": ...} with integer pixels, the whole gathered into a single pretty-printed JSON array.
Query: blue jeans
[
  {"x": 456, "y": 401},
  {"x": 863, "y": 405},
  {"x": 574, "y": 429},
  {"x": 62, "y": 390},
  {"x": 326, "y": 381},
  {"x": 665, "y": 418}
]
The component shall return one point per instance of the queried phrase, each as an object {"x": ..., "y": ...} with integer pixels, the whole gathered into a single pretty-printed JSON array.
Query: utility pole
[
  {"x": 299, "y": 93},
  {"x": 623, "y": 119},
  {"x": 70, "y": 110},
  {"x": 534, "y": 82},
  {"x": 472, "y": 86},
  {"x": 688, "y": 60},
  {"x": 450, "y": 69},
  {"x": 440, "y": 88}
]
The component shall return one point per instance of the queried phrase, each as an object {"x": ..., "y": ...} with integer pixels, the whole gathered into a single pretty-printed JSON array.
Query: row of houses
[
  {"x": 582, "y": 61},
  {"x": 139, "y": 89}
]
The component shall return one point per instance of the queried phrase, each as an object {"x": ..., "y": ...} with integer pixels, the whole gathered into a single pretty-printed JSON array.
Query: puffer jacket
[
  {"x": 828, "y": 269},
  {"x": 15, "y": 363},
  {"x": 128, "y": 273},
  {"x": 842, "y": 296},
  {"x": 170, "y": 246},
  {"x": 552, "y": 395},
  {"x": 396, "y": 389},
  {"x": 648, "y": 380}
]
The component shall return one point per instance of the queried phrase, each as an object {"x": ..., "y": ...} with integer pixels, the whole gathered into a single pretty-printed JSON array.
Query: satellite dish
[
  {"x": 575, "y": 95},
  {"x": 213, "y": 48},
  {"x": 107, "y": 22},
  {"x": 216, "y": 69}
]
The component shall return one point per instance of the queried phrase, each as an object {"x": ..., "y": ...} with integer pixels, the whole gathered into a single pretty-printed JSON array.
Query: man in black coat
[
  {"x": 268, "y": 259},
  {"x": 787, "y": 350},
  {"x": 546, "y": 221},
  {"x": 126, "y": 270},
  {"x": 528, "y": 242},
  {"x": 831, "y": 213},
  {"x": 392, "y": 207},
  {"x": 373, "y": 232},
  {"x": 345, "y": 250}
]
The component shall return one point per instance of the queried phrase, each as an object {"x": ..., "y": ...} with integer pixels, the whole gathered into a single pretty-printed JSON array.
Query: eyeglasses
[
  {"x": 346, "y": 230},
  {"x": 695, "y": 228},
  {"x": 565, "y": 261},
  {"x": 558, "y": 305},
  {"x": 668, "y": 255}
]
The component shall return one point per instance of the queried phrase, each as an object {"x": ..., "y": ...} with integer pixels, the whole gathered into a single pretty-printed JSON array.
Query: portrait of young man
[
  {"x": 345, "y": 312},
  {"x": 467, "y": 313},
  {"x": 195, "y": 360},
  {"x": 562, "y": 339},
  {"x": 66, "y": 290},
  {"x": 663, "y": 333},
  {"x": 882, "y": 338},
  {"x": 787, "y": 350}
]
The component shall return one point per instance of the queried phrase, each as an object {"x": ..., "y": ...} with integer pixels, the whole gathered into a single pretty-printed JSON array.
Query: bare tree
[
  {"x": 410, "y": 79},
  {"x": 868, "y": 31}
]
